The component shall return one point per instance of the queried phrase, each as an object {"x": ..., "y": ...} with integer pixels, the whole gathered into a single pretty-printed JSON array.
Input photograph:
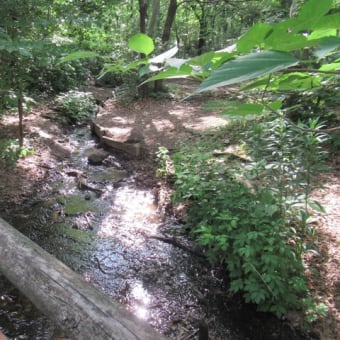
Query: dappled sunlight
[
  {"x": 180, "y": 113},
  {"x": 208, "y": 122},
  {"x": 41, "y": 133},
  {"x": 163, "y": 124},
  {"x": 122, "y": 120},
  {"x": 120, "y": 133},
  {"x": 9, "y": 119}
]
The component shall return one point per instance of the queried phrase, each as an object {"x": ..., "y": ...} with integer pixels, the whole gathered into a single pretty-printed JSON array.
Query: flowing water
[{"x": 101, "y": 230}]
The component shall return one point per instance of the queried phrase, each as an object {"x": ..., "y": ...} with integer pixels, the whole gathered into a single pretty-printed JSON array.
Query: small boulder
[{"x": 97, "y": 157}]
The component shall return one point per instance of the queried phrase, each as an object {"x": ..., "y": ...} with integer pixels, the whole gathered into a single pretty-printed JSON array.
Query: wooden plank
[{"x": 81, "y": 310}]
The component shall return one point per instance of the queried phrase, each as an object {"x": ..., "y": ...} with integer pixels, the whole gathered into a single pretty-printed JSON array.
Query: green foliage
[
  {"x": 8, "y": 101},
  {"x": 10, "y": 152},
  {"x": 335, "y": 143},
  {"x": 127, "y": 90},
  {"x": 165, "y": 165},
  {"x": 272, "y": 49},
  {"x": 252, "y": 216},
  {"x": 77, "y": 106},
  {"x": 314, "y": 311},
  {"x": 51, "y": 77}
]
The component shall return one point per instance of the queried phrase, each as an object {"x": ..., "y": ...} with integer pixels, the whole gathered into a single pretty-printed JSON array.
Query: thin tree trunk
[
  {"x": 169, "y": 21},
  {"x": 21, "y": 117},
  {"x": 82, "y": 311},
  {"x": 154, "y": 17},
  {"x": 202, "y": 31},
  {"x": 170, "y": 17},
  {"x": 143, "y": 14}
]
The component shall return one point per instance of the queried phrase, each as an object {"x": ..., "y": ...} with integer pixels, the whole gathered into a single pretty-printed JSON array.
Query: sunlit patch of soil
[{"x": 323, "y": 267}]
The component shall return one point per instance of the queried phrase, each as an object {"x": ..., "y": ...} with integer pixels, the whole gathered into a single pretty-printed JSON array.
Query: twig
[
  {"x": 99, "y": 265},
  {"x": 177, "y": 244}
]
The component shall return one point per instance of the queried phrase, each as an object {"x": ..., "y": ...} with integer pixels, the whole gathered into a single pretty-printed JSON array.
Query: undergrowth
[
  {"x": 77, "y": 106},
  {"x": 251, "y": 210},
  {"x": 10, "y": 152}
]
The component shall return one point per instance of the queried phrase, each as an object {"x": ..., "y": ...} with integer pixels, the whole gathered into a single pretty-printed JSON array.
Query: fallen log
[{"x": 79, "y": 309}]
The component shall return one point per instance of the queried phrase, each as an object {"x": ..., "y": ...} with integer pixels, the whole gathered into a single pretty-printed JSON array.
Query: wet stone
[{"x": 97, "y": 157}]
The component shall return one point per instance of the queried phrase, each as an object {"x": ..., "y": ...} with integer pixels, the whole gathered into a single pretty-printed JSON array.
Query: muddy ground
[{"x": 165, "y": 122}]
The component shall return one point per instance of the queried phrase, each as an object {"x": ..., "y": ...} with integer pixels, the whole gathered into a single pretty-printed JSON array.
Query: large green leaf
[
  {"x": 328, "y": 21},
  {"x": 173, "y": 72},
  {"x": 322, "y": 33},
  {"x": 331, "y": 67},
  {"x": 296, "y": 81},
  {"x": 141, "y": 43},
  {"x": 260, "y": 83},
  {"x": 311, "y": 15},
  {"x": 254, "y": 37},
  {"x": 203, "y": 59},
  {"x": 77, "y": 55},
  {"x": 248, "y": 67},
  {"x": 281, "y": 40},
  {"x": 220, "y": 57},
  {"x": 327, "y": 45},
  {"x": 314, "y": 9}
]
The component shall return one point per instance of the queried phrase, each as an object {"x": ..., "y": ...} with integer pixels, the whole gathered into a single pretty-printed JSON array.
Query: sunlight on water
[
  {"x": 132, "y": 211},
  {"x": 136, "y": 205},
  {"x": 141, "y": 299}
]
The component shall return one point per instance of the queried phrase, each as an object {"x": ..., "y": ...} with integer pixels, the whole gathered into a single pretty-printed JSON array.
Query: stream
[{"x": 98, "y": 221}]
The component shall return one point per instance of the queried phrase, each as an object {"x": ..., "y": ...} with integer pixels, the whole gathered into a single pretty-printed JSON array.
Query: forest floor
[{"x": 165, "y": 123}]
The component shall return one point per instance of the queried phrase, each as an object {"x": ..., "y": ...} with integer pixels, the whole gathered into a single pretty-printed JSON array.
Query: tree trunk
[
  {"x": 202, "y": 29},
  {"x": 154, "y": 17},
  {"x": 143, "y": 14},
  {"x": 202, "y": 36},
  {"x": 21, "y": 118},
  {"x": 78, "y": 308},
  {"x": 170, "y": 17}
]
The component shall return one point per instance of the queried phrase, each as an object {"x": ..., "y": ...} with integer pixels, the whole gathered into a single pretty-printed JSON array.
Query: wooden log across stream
[{"x": 82, "y": 311}]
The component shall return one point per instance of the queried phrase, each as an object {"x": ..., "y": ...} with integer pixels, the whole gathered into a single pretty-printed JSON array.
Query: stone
[
  {"x": 97, "y": 157},
  {"x": 124, "y": 139}
]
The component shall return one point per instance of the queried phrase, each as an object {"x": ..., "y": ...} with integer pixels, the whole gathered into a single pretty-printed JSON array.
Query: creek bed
[{"x": 101, "y": 229}]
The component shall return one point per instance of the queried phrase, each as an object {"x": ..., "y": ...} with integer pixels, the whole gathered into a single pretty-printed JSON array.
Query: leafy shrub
[
  {"x": 10, "y": 152},
  {"x": 110, "y": 79},
  {"x": 320, "y": 102},
  {"x": 252, "y": 216},
  {"x": 165, "y": 167},
  {"x": 55, "y": 78},
  {"x": 77, "y": 106},
  {"x": 8, "y": 101}
]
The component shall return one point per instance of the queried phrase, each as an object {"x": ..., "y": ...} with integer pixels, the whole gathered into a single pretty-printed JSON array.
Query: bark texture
[{"x": 79, "y": 309}]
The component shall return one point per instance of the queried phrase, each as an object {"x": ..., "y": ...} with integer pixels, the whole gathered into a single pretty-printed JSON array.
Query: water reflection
[
  {"x": 140, "y": 300},
  {"x": 133, "y": 211}
]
